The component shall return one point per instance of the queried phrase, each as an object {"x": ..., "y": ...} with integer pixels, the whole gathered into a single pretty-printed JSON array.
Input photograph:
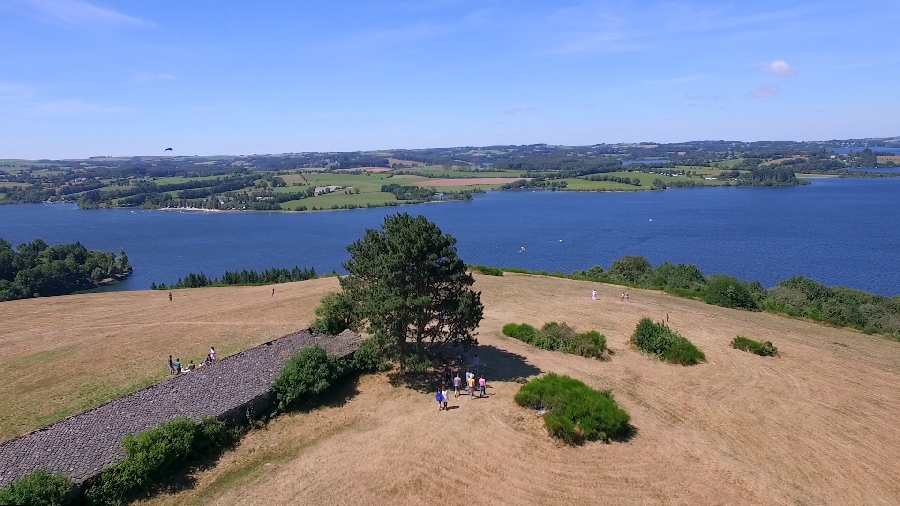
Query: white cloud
[
  {"x": 166, "y": 76},
  {"x": 766, "y": 91},
  {"x": 80, "y": 13},
  {"x": 522, "y": 109},
  {"x": 780, "y": 68}
]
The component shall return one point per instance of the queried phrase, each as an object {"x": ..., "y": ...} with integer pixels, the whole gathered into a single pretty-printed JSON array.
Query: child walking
[
  {"x": 457, "y": 383},
  {"x": 470, "y": 387},
  {"x": 439, "y": 398},
  {"x": 445, "y": 395},
  {"x": 482, "y": 384}
]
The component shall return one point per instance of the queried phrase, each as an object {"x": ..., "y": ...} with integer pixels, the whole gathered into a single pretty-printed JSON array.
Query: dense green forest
[
  {"x": 797, "y": 296},
  {"x": 36, "y": 269},
  {"x": 244, "y": 277}
]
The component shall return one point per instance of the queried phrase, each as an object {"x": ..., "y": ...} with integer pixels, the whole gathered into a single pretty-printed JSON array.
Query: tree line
[
  {"x": 238, "y": 278},
  {"x": 36, "y": 269},
  {"x": 797, "y": 296}
]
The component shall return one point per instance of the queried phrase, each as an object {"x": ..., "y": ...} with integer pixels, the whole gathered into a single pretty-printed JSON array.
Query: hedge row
[
  {"x": 660, "y": 340},
  {"x": 575, "y": 412},
  {"x": 559, "y": 337}
]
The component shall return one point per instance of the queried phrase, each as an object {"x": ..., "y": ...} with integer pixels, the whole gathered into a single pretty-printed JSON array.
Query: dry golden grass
[
  {"x": 817, "y": 425},
  {"x": 61, "y": 355}
]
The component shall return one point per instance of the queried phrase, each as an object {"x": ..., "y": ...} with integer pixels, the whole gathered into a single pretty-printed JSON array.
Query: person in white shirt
[{"x": 212, "y": 354}]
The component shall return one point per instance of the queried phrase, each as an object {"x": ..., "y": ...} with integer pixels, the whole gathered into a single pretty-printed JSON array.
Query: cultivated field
[
  {"x": 472, "y": 181},
  {"x": 816, "y": 425}
]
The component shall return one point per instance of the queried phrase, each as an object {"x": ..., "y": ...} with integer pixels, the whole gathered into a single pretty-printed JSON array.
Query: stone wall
[{"x": 82, "y": 445}]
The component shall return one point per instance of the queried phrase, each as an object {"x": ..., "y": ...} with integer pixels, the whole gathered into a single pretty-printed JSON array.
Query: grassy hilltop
[{"x": 815, "y": 425}]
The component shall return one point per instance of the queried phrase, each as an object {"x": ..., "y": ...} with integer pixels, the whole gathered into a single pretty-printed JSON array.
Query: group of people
[
  {"x": 176, "y": 367},
  {"x": 625, "y": 296},
  {"x": 442, "y": 396}
]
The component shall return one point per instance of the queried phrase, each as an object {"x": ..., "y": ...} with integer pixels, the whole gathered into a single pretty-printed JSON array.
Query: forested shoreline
[{"x": 37, "y": 269}]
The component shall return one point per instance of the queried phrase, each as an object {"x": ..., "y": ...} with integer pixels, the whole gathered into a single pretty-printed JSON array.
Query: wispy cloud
[
  {"x": 78, "y": 13},
  {"x": 766, "y": 91},
  {"x": 166, "y": 76},
  {"x": 780, "y": 68},
  {"x": 522, "y": 109},
  {"x": 619, "y": 26}
]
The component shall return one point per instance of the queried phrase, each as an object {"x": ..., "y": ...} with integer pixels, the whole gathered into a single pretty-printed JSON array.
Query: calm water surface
[{"x": 838, "y": 231}]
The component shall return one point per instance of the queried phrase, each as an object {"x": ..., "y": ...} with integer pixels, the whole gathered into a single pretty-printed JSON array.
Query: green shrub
[
  {"x": 306, "y": 374},
  {"x": 726, "y": 291},
  {"x": 153, "y": 455},
  {"x": 484, "y": 269},
  {"x": 40, "y": 488},
  {"x": 369, "y": 357},
  {"x": 335, "y": 314},
  {"x": 660, "y": 340},
  {"x": 764, "y": 349},
  {"x": 575, "y": 411},
  {"x": 559, "y": 337},
  {"x": 630, "y": 269}
]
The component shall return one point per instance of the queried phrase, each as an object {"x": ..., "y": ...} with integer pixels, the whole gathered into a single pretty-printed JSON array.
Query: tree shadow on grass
[{"x": 496, "y": 365}]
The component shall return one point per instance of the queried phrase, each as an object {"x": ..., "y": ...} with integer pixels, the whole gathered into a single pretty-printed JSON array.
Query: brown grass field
[
  {"x": 889, "y": 159},
  {"x": 817, "y": 425},
  {"x": 468, "y": 181}
]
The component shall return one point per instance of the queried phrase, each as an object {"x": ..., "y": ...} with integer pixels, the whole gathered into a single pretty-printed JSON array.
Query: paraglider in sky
[{"x": 167, "y": 149}]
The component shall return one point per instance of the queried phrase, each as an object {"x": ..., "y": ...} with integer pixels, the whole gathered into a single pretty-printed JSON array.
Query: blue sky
[{"x": 108, "y": 77}]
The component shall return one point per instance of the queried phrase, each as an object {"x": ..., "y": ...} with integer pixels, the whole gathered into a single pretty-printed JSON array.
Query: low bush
[
  {"x": 559, "y": 337},
  {"x": 484, "y": 269},
  {"x": 154, "y": 455},
  {"x": 40, "y": 488},
  {"x": 660, "y": 340},
  {"x": 306, "y": 374},
  {"x": 726, "y": 291},
  {"x": 369, "y": 357},
  {"x": 575, "y": 412},
  {"x": 335, "y": 314},
  {"x": 763, "y": 349}
]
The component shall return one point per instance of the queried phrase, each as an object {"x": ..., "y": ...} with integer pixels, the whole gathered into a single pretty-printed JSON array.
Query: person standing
[
  {"x": 445, "y": 395},
  {"x": 171, "y": 365},
  {"x": 448, "y": 374},
  {"x": 593, "y": 294},
  {"x": 170, "y": 296},
  {"x": 439, "y": 398},
  {"x": 177, "y": 365},
  {"x": 482, "y": 384},
  {"x": 212, "y": 353},
  {"x": 273, "y": 292},
  {"x": 457, "y": 383},
  {"x": 470, "y": 386}
]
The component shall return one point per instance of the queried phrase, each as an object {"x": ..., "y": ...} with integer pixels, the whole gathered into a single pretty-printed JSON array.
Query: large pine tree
[{"x": 409, "y": 284}]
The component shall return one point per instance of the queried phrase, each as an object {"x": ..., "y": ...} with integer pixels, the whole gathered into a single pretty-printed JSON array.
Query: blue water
[
  {"x": 844, "y": 151},
  {"x": 837, "y": 231}
]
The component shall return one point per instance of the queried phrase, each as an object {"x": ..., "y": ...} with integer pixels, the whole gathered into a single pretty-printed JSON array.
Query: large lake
[{"x": 837, "y": 231}]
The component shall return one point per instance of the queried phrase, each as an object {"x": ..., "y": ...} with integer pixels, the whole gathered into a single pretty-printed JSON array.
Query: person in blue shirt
[{"x": 440, "y": 399}]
